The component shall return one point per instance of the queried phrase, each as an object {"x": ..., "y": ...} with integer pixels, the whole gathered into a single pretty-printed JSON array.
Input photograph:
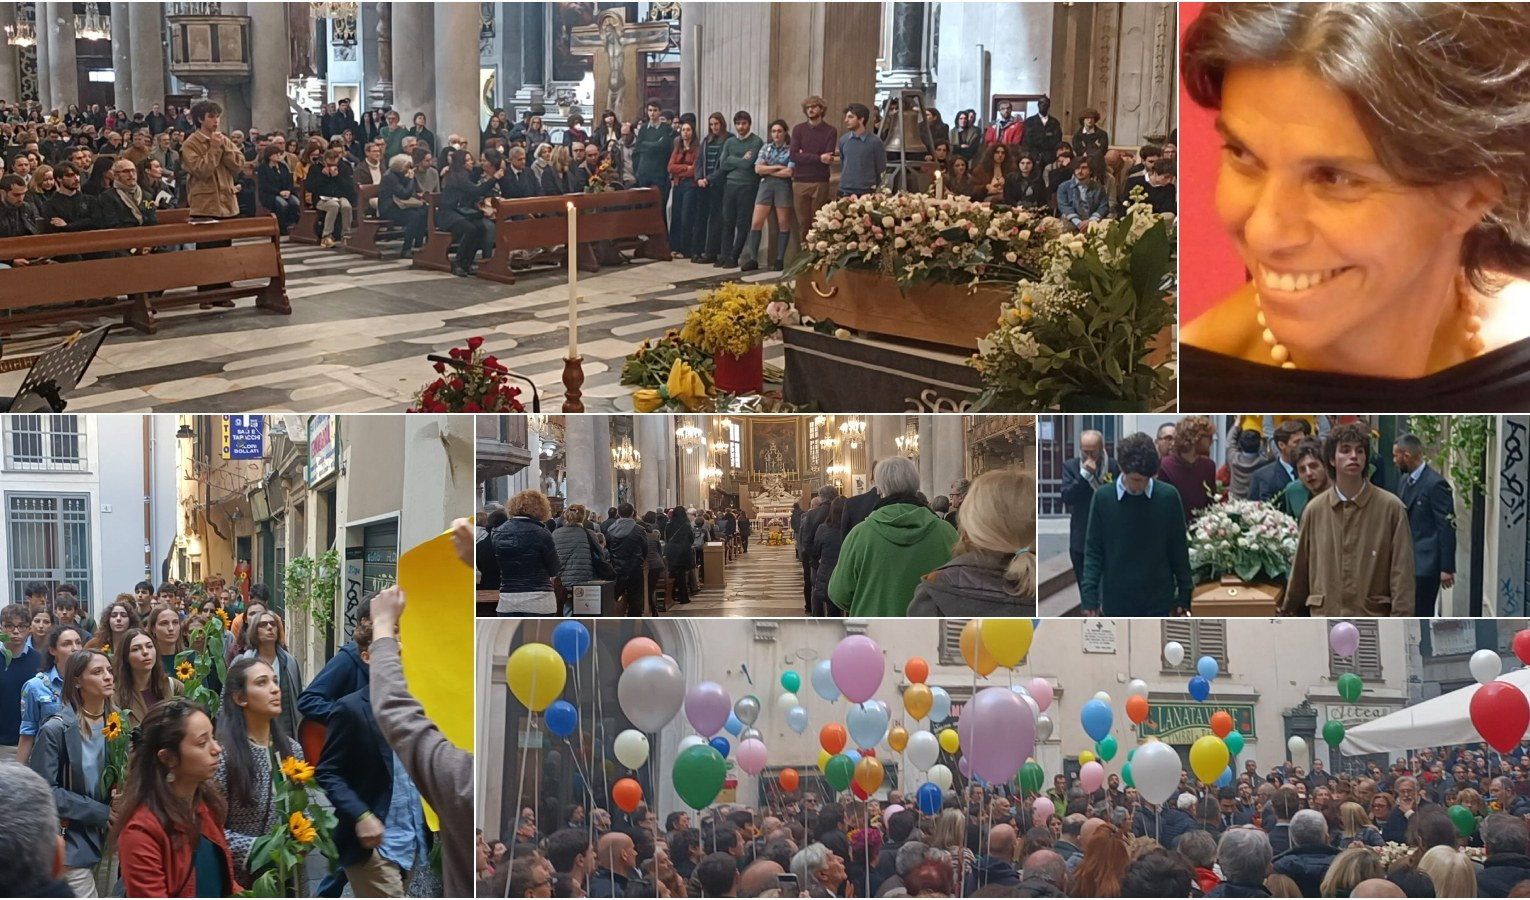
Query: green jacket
[
  {"x": 650, "y": 152},
  {"x": 884, "y": 557},
  {"x": 738, "y": 169}
]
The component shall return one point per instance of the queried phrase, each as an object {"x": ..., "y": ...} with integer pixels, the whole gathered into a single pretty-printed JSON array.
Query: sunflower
[
  {"x": 113, "y": 727},
  {"x": 184, "y": 670},
  {"x": 107, "y": 649},
  {"x": 296, "y": 770},
  {"x": 302, "y": 828},
  {"x": 222, "y": 615}
]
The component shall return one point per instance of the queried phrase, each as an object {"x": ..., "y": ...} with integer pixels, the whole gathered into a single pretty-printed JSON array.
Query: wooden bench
[
  {"x": 436, "y": 255},
  {"x": 370, "y": 229},
  {"x": 158, "y": 281},
  {"x": 540, "y": 223}
]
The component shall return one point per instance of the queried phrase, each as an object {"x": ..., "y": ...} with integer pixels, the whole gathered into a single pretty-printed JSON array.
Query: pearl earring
[{"x": 170, "y": 777}]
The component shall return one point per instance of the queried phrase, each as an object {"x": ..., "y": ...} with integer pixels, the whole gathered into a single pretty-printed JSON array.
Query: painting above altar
[{"x": 773, "y": 445}]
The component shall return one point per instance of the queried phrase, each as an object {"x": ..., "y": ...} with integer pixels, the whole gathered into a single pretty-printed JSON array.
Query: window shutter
[
  {"x": 1183, "y": 631},
  {"x": 1210, "y": 640},
  {"x": 951, "y": 641},
  {"x": 1367, "y": 660}
]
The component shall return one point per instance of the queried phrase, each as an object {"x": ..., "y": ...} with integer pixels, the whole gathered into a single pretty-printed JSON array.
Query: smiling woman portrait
[{"x": 1375, "y": 180}]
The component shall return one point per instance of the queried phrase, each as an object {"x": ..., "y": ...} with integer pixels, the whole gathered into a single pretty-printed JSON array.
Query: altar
[{"x": 773, "y": 497}]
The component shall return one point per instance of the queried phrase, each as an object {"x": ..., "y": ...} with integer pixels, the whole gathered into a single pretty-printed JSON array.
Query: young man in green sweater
[
  {"x": 650, "y": 154},
  {"x": 1136, "y": 555},
  {"x": 739, "y": 154}
]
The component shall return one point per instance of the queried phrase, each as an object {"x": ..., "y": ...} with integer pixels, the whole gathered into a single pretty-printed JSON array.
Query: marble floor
[
  {"x": 765, "y": 582},
  {"x": 360, "y": 330}
]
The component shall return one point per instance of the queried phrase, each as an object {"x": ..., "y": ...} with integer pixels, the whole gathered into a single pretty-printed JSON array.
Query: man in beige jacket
[{"x": 211, "y": 160}]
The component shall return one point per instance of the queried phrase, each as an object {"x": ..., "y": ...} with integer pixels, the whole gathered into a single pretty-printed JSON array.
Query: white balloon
[
  {"x": 1296, "y": 745},
  {"x": 1103, "y": 697},
  {"x": 1035, "y": 707},
  {"x": 692, "y": 740},
  {"x": 1486, "y": 665},
  {"x": 1043, "y": 727},
  {"x": 1174, "y": 652},
  {"x": 787, "y": 700},
  {"x": 923, "y": 749},
  {"x": 1137, "y": 688},
  {"x": 632, "y": 748},
  {"x": 940, "y": 776},
  {"x": 1156, "y": 771}
]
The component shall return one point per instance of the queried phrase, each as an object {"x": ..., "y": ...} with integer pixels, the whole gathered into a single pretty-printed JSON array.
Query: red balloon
[
  {"x": 859, "y": 791},
  {"x": 628, "y": 794},
  {"x": 1221, "y": 723},
  {"x": 1501, "y": 714},
  {"x": 1522, "y": 646},
  {"x": 916, "y": 669},
  {"x": 832, "y": 737},
  {"x": 1136, "y": 709},
  {"x": 789, "y": 780}
]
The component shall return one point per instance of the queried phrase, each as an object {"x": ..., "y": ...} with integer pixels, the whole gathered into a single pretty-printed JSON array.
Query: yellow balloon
[
  {"x": 977, "y": 656},
  {"x": 1007, "y": 640},
  {"x": 1086, "y": 757},
  {"x": 949, "y": 741},
  {"x": 897, "y": 738},
  {"x": 536, "y": 675},
  {"x": 823, "y": 760},
  {"x": 917, "y": 700},
  {"x": 1208, "y": 758},
  {"x": 869, "y": 773}
]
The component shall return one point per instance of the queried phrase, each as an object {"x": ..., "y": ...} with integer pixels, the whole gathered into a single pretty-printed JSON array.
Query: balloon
[
  {"x": 1174, "y": 652},
  {"x": 1225, "y": 778},
  {"x": 572, "y": 640},
  {"x": 1221, "y": 723},
  {"x": 941, "y": 709},
  {"x": 1200, "y": 689},
  {"x": 916, "y": 670},
  {"x": 637, "y": 648},
  {"x": 998, "y": 733},
  {"x": 853, "y": 755},
  {"x": 1344, "y": 639},
  {"x": 832, "y": 737},
  {"x": 840, "y": 772},
  {"x": 1137, "y": 688},
  {"x": 1136, "y": 709},
  {"x": 1234, "y": 742},
  {"x": 1522, "y": 646},
  {"x": 858, "y": 792},
  {"x": 651, "y": 691},
  {"x": 1042, "y": 810},
  {"x": 1207, "y": 667},
  {"x": 748, "y": 709},
  {"x": 950, "y": 741},
  {"x": 1091, "y": 776},
  {"x": 690, "y": 740},
  {"x": 561, "y": 718},
  {"x": 923, "y": 749},
  {"x": 1156, "y": 771},
  {"x": 940, "y": 775},
  {"x": 1085, "y": 757},
  {"x": 1126, "y": 774},
  {"x": 892, "y": 809},
  {"x": 788, "y": 779},
  {"x": 733, "y": 725},
  {"x": 1107, "y": 747},
  {"x": 1028, "y": 700},
  {"x": 1032, "y": 777},
  {"x": 929, "y": 798},
  {"x": 858, "y": 667},
  {"x": 869, "y": 774},
  {"x": 797, "y": 719},
  {"x": 791, "y": 682},
  {"x": 721, "y": 745},
  {"x": 976, "y": 655},
  {"x": 868, "y": 724},
  {"x": 628, "y": 794},
  {"x": 706, "y": 708},
  {"x": 699, "y": 774},
  {"x": 1208, "y": 757},
  {"x": 1333, "y": 733},
  {"x": 823, "y": 760},
  {"x": 751, "y": 734},
  {"x": 536, "y": 675},
  {"x": 1103, "y": 697},
  {"x": 751, "y": 756},
  {"x": 897, "y": 738},
  {"x": 823, "y": 680},
  {"x": 1465, "y": 822},
  {"x": 787, "y": 700},
  {"x": 631, "y": 748},
  {"x": 917, "y": 700},
  {"x": 1096, "y": 718},
  {"x": 1485, "y": 665},
  {"x": 1350, "y": 686},
  {"x": 1007, "y": 640},
  {"x": 1501, "y": 714},
  {"x": 1041, "y": 689},
  {"x": 1043, "y": 727},
  {"x": 1298, "y": 750}
]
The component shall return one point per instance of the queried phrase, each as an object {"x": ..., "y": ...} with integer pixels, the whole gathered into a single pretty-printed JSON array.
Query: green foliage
[
  {"x": 311, "y": 585},
  {"x": 1459, "y": 445}
]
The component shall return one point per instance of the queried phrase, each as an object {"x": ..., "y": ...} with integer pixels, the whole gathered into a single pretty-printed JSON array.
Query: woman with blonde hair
[
  {"x": 993, "y": 568},
  {"x": 1451, "y": 871},
  {"x": 555, "y": 174},
  {"x": 1349, "y": 869},
  {"x": 950, "y": 835},
  {"x": 1355, "y": 826},
  {"x": 528, "y": 558}
]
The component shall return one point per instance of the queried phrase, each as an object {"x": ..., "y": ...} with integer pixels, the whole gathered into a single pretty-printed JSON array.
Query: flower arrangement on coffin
[
  {"x": 1252, "y": 540},
  {"x": 205, "y": 655},
  {"x": 303, "y": 825},
  {"x": 478, "y": 383},
  {"x": 1080, "y": 334},
  {"x": 1392, "y": 851},
  {"x": 731, "y": 322}
]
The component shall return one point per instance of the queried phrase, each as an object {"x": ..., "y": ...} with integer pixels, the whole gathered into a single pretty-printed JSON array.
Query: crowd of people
[
  {"x": 888, "y": 551},
  {"x": 1281, "y": 832},
  {"x": 1131, "y": 510}
]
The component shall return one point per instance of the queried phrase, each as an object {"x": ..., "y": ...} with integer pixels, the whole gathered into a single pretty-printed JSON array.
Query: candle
[
  {"x": 573, "y": 282},
  {"x": 940, "y": 187}
]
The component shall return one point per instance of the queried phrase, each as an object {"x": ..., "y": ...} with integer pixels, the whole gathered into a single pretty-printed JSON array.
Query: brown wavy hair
[{"x": 1189, "y": 431}]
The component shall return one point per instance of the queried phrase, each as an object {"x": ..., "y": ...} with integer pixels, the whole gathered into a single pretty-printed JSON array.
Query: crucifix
[{"x": 618, "y": 51}]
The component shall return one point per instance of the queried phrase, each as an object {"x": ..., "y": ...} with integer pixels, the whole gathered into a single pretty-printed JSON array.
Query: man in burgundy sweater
[{"x": 812, "y": 150}]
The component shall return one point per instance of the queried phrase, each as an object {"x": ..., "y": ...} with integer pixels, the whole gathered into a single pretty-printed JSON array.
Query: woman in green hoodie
[{"x": 884, "y": 557}]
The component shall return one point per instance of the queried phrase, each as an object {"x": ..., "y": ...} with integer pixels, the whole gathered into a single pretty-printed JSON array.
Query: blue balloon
[
  {"x": 721, "y": 745},
  {"x": 1200, "y": 689},
  {"x": 1096, "y": 718},
  {"x": 1035, "y": 624},
  {"x": 929, "y": 799},
  {"x": 797, "y": 719},
  {"x": 572, "y": 640},
  {"x": 855, "y": 755},
  {"x": 561, "y": 718},
  {"x": 940, "y": 705},
  {"x": 734, "y": 726},
  {"x": 1225, "y": 779},
  {"x": 867, "y": 723},
  {"x": 1207, "y": 667},
  {"x": 823, "y": 681}
]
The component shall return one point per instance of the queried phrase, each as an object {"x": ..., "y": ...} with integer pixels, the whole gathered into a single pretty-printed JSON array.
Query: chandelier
[
  {"x": 21, "y": 34},
  {"x": 908, "y": 441},
  {"x": 711, "y": 476},
  {"x": 854, "y": 430},
  {"x": 333, "y": 9},
  {"x": 828, "y": 443},
  {"x": 626, "y": 457},
  {"x": 722, "y": 439},
  {"x": 688, "y": 437},
  {"x": 91, "y": 26}
]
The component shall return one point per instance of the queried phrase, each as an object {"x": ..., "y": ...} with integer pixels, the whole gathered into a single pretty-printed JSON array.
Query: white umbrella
[{"x": 1445, "y": 721}]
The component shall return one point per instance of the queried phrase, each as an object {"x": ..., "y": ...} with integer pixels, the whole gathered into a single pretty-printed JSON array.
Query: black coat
[
  {"x": 1306, "y": 866},
  {"x": 627, "y": 542},
  {"x": 1077, "y": 495},
  {"x": 460, "y": 196},
  {"x": 1501, "y": 872},
  {"x": 1268, "y": 480},
  {"x": 394, "y": 187},
  {"x": 356, "y": 771},
  {"x": 527, "y": 558},
  {"x": 826, "y": 543},
  {"x": 554, "y": 184},
  {"x": 1042, "y": 140},
  {"x": 1431, "y": 509},
  {"x": 857, "y": 508},
  {"x": 112, "y": 211},
  {"x": 515, "y": 184},
  {"x": 270, "y": 181},
  {"x": 77, "y": 211}
]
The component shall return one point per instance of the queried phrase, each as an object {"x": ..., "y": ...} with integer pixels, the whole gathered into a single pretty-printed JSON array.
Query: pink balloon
[
  {"x": 964, "y": 767},
  {"x": 857, "y": 666},
  {"x": 1043, "y": 810},
  {"x": 1041, "y": 692},
  {"x": 997, "y": 733},
  {"x": 1091, "y": 776},
  {"x": 890, "y": 811},
  {"x": 1344, "y": 638},
  {"x": 751, "y": 756},
  {"x": 707, "y": 706}
]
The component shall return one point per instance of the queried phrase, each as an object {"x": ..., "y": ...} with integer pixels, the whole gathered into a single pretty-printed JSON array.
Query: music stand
[{"x": 57, "y": 371}]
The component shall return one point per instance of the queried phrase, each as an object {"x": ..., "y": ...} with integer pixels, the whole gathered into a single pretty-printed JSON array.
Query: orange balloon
[
  {"x": 789, "y": 780},
  {"x": 977, "y": 656},
  {"x": 869, "y": 773},
  {"x": 832, "y": 737},
  {"x": 1136, "y": 709},
  {"x": 637, "y": 648},
  {"x": 916, "y": 669},
  {"x": 628, "y": 794},
  {"x": 1221, "y": 723}
]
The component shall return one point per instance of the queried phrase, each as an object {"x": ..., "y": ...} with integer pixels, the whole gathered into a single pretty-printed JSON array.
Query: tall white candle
[
  {"x": 940, "y": 186},
  {"x": 573, "y": 282}
]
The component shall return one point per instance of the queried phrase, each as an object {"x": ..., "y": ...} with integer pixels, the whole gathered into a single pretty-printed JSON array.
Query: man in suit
[
  {"x": 810, "y": 523},
  {"x": 1431, "y": 508},
  {"x": 857, "y": 508},
  {"x": 1082, "y": 476},
  {"x": 518, "y": 180},
  {"x": 1271, "y": 479},
  {"x": 1043, "y": 134}
]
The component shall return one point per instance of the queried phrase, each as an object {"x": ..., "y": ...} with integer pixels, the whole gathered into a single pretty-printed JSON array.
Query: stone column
[
  {"x": 44, "y": 81},
  {"x": 271, "y": 60},
  {"x": 882, "y": 434},
  {"x": 122, "y": 59},
  {"x": 381, "y": 92},
  {"x": 649, "y": 439},
  {"x": 414, "y": 74},
  {"x": 909, "y": 56},
  {"x": 456, "y": 68},
  {"x": 63, "y": 71},
  {"x": 950, "y": 456},
  {"x": 148, "y": 47},
  {"x": 10, "y": 58},
  {"x": 534, "y": 73},
  {"x": 588, "y": 450}
]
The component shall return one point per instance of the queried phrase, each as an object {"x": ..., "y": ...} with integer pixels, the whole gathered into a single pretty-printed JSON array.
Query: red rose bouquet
[{"x": 471, "y": 382}]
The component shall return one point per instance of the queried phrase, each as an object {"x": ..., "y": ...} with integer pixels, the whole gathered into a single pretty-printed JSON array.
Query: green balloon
[
  {"x": 1106, "y": 749},
  {"x": 839, "y": 772},
  {"x": 1333, "y": 732},
  {"x": 1465, "y": 822},
  {"x": 1032, "y": 777},
  {"x": 1126, "y": 774},
  {"x": 790, "y": 680},
  {"x": 1234, "y": 742},
  {"x": 1350, "y": 687},
  {"x": 699, "y": 774}
]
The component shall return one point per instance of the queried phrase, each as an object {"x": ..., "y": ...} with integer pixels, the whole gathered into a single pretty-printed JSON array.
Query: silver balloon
[
  {"x": 750, "y": 734},
  {"x": 650, "y": 692},
  {"x": 747, "y": 709},
  {"x": 1043, "y": 727}
]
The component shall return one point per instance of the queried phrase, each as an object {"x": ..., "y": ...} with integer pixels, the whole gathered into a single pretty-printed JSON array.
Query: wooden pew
[
  {"x": 371, "y": 229},
  {"x": 534, "y": 223},
  {"x": 436, "y": 255},
  {"x": 173, "y": 276}
]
